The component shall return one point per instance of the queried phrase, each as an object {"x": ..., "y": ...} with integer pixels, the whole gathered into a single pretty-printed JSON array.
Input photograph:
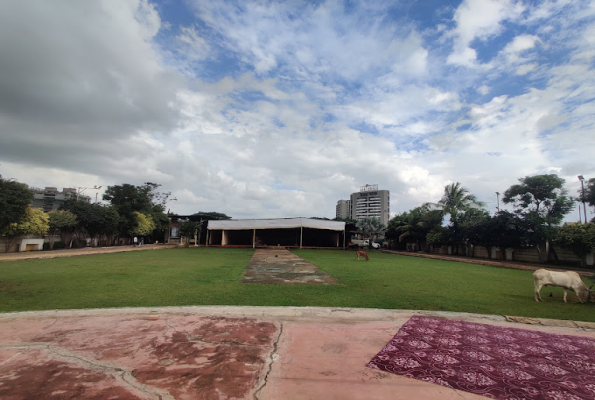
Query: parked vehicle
[{"x": 363, "y": 243}]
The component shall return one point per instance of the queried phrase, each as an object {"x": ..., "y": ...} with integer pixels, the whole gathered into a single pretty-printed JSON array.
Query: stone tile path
[
  {"x": 280, "y": 266},
  {"x": 214, "y": 352}
]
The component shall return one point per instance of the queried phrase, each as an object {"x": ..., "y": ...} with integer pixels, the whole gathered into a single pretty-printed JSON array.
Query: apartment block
[
  {"x": 343, "y": 209},
  {"x": 370, "y": 202},
  {"x": 50, "y": 198}
]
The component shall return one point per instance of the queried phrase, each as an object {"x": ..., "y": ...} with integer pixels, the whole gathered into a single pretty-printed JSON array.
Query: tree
[
  {"x": 34, "y": 222},
  {"x": 144, "y": 224},
  {"x": 215, "y": 215},
  {"x": 108, "y": 224},
  {"x": 414, "y": 226},
  {"x": 589, "y": 195},
  {"x": 146, "y": 199},
  {"x": 99, "y": 220},
  {"x": 370, "y": 227},
  {"x": 15, "y": 198},
  {"x": 93, "y": 219},
  {"x": 456, "y": 199},
  {"x": 580, "y": 238},
  {"x": 505, "y": 229},
  {"x": 188, "y": 229},
  {"x": 542, "y": 202},
  {"x": 470, "y": 227},
  {"x": 63, "y": 222},
  {"x": 346, "y": 220},
  {"x": 438, "y": 236}
]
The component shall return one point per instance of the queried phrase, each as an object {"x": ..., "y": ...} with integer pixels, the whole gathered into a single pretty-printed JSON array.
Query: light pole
[
  {"x": 79, "y": 191},
  {"x": 174, "y": 199},
  {"x": 498, "y": 201},
  {"x": 582, "y": 179}
]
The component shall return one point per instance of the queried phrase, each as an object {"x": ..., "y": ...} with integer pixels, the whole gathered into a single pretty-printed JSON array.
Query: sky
[{"x": 271, "y": 109}]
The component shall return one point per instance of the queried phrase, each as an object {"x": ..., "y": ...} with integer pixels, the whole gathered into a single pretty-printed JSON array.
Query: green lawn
[{"x": 208, "y": 276}]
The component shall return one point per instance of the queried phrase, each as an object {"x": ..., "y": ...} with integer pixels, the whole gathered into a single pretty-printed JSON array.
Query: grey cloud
[{"x": 77, "y": 77}]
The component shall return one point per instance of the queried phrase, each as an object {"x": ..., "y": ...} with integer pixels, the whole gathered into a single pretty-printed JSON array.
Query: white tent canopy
[
  {"x": 277, "y": 223},
  {"x": 279, "y": 231}
]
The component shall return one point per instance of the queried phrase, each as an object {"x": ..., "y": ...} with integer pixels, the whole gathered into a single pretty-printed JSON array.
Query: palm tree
[
  {"x": 414, "y": 225},
  {"x": 455, "y": 199}
]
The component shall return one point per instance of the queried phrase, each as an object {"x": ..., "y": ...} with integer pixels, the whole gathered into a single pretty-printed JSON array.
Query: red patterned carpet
[{"x": 493, "y": 361}]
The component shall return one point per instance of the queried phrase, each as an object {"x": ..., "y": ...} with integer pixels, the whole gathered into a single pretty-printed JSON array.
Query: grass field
[{"x": 208, "y": 276}]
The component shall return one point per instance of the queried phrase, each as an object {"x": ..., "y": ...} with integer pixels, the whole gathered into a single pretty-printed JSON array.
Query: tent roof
[{"x": 278, "y": 223}]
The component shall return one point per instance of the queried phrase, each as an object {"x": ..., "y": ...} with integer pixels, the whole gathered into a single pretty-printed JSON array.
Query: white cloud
[
  {"x": 526, "y": 68},
  {"x": 192, "y": 44},
  {"x": 483, "y": 89},
  {"x": 478, "y": 19},
  {"x": 521, "y": 43}
]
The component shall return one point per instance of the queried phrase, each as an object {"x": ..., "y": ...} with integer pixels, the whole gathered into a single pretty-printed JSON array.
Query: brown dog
[{"x": 361, "y": 253}]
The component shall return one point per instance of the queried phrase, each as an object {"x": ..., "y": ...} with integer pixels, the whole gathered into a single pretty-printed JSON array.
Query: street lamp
[
  {"x": 498, "y": 201},
  {"x": 582, "y": 179},
  {"x": 96, "y": 193},
  {"x": 79, "y": 191}
]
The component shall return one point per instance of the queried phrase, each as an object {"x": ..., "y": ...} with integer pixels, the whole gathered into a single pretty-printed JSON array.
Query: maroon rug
[{"x": 492, "y": 361}]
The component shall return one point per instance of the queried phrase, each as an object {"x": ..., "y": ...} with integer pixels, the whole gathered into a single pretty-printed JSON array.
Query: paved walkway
[
  {"x": 265, "y": 353},
  {"x": 280, "y": 266},
  {"x": 85, "y": 251}
]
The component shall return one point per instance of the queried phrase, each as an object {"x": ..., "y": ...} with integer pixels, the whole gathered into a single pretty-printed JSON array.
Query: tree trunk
[
  {"x": 553, "y": 253},
  {"x": 542, "y": 253},
  {"x": 9, "y": 243},
  {"x": 52, "y": 240}
]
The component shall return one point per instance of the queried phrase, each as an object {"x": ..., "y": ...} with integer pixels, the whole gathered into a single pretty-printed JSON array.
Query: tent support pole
[
  {"x": 207, "y": 239},
  {"x": 254, "y": 238},
  {"x": 301, "y": 235}
]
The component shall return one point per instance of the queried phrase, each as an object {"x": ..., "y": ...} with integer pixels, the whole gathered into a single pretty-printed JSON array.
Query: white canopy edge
[{"x": 279, "y": 223}]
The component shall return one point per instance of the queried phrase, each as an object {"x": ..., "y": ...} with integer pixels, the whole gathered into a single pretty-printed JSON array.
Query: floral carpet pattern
[{"x": 492, "y": 361}]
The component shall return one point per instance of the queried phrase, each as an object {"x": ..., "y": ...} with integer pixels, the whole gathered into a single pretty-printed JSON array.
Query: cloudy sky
[{"x": 279, "y": 109}]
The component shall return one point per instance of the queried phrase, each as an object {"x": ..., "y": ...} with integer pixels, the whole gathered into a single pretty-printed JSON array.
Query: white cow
[{"x": 569, "y": 280}]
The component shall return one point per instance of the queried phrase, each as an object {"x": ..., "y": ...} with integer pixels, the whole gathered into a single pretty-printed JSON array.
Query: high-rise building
[
  {"x": 343, "y": 209},
  {"x": 370, "y": 202}
]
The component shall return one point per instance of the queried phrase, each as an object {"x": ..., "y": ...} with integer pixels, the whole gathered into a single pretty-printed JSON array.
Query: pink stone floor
[{"x": 215, "y": 353}]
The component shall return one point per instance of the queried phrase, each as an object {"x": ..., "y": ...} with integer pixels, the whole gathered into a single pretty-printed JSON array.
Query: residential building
[
  {"x": 50, "y": 198},
  {"x": 371, "y": 202},
  {"x": 343, "y": 209}
]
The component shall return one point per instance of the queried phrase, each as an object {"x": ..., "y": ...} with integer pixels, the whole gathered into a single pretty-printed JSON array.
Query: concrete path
[
  {"x": 280, "y": 266},
  {"x": 85, "y": 251},
  {"x": 214, "y": 353}
]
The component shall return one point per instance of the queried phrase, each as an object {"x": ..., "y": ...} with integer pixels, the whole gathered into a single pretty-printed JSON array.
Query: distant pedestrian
[{"x": 135, "y": 240}]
